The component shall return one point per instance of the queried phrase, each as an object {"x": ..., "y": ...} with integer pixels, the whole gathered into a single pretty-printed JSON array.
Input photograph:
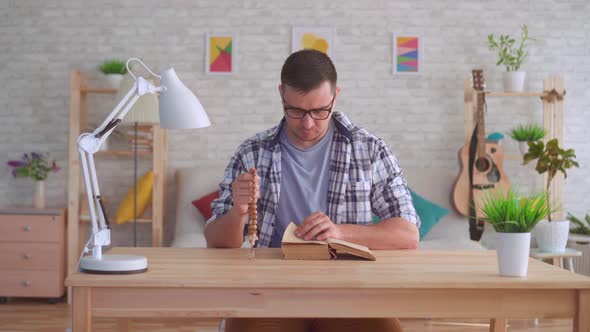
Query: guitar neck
[{"x": 481, "y": 131}]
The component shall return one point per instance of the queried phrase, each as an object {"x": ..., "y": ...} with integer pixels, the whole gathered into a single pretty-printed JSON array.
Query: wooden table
[{"x": 411, "y": 284}]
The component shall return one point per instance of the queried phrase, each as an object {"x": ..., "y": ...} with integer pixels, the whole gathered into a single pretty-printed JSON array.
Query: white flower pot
[
  {"x": 523, "y": 147},
  {"x": 513, "y": 81},
  {"x": 551, "y": 236},
  {"x": 513, "y": 250},
  {"x": 113, "y": 80}
]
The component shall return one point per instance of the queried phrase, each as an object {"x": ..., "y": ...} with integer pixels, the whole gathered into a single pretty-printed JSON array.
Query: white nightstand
[{"x": 561, "y": 259}]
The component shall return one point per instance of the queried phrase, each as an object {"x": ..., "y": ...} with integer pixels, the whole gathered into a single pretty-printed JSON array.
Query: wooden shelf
[
  {"x": 514, "y": 94},
  {"x": 99, "y": 90},
  {"x": 111, "y": 219},
  {"x": 123, "y": 153},
  {"x": 513, "y": 156},
  {"x": 552, "y": 98}
]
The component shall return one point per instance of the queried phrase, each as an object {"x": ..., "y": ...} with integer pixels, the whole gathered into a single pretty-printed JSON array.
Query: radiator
[{"x": 581, "y": 264}]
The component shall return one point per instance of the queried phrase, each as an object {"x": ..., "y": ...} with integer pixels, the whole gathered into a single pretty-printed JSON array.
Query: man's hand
[
  {"x": 241, "y": 192},
  {"x": 317, "y": 226}
]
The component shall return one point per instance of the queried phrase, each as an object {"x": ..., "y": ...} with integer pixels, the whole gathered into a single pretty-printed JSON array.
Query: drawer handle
[
  {"x": 26, "y": 283},
  {"x": 27, "y": 228},
  {"x": 27, "y": 256}
]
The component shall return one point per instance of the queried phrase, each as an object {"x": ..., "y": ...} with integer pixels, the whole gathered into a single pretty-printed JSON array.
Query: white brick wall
[{"x": 420, "y": 117}]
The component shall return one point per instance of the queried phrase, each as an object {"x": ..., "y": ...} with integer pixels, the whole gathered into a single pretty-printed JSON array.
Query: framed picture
[
  {"x": 220, "y": 56},
  {"x": 407, "y": 54},
  {"x": 317, "y": 38}
]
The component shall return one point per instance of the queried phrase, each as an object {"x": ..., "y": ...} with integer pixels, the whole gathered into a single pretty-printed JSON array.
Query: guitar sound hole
[
  {"x": 493, "y": 150},
  {"x": 494, "y": 175},
  {"x": 482, "y": 164}
]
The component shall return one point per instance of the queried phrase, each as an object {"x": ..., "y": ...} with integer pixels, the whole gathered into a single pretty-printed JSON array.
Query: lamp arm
[{"x": 88, "y": 145}]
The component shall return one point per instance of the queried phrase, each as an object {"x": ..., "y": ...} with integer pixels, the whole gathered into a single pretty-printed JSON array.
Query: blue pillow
[{"x": 429, "y": 212}]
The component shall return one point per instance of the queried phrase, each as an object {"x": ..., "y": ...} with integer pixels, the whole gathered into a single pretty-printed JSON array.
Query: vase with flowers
[{"x": 36, "y": 166}]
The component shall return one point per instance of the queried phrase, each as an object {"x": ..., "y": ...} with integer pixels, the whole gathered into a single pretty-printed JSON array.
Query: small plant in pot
[
  {"x": 527, "y": 133},
  {"x": 113, "y": 71},
  {"x": 551, "y": 235},
  {"x": 513, "y": 218},
  {"x": 512, "y": 55}
]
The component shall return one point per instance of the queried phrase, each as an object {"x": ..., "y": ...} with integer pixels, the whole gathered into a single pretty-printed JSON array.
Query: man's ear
[
  {"x": 337, "y": 91},
  {"x": 280, "y": 89}
]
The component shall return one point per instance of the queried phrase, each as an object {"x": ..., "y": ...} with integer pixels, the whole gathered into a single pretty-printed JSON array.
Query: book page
[
  {"x": 348, "y": 244},
  {"x": 290, "y": 237}
]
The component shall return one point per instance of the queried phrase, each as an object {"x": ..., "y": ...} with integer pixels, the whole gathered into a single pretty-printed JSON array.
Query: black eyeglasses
[{"x": 316, "y": 114}]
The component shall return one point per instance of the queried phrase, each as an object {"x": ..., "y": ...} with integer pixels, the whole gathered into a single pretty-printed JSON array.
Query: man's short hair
[{"x": 306, "y": 70}]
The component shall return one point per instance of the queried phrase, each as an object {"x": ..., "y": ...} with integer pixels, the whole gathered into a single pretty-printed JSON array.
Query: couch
[{"x": 450, "y": 233}]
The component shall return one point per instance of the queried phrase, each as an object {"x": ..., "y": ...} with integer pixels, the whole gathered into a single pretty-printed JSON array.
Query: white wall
[{"x": 420, "y": 117}]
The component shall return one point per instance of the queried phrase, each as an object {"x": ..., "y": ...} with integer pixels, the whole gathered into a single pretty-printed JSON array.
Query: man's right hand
[{"x": 241, "y": 191}]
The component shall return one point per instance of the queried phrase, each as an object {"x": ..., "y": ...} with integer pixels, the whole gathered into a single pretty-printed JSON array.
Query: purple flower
[
  {"x": 17, "y": 163},
  {"x": 54, "y": 167},
  {"x": 34, "y": 165}
]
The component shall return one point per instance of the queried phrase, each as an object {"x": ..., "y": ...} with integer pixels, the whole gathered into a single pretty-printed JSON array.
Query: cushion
[
  {"x": 192, "y": 183},
  {"x": 430, "y": 213},
  {"x": 144, "y": 196},
  {"x": 203, "y": 204}
]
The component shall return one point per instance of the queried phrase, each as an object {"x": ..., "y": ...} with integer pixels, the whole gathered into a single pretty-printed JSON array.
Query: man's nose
[{"x": 307, "y": 121}]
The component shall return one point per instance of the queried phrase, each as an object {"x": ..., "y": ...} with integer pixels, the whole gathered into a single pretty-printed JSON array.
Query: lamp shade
[
  {"x": 179, "y": 107},
  {"x": 145, "y": 110}
]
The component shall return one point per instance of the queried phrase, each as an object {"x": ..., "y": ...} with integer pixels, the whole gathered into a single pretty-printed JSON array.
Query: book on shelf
[
  {"x": 141, "y": 133},
  {"x": 296, "y": 248},
  {"x": 139, "y": 141}
]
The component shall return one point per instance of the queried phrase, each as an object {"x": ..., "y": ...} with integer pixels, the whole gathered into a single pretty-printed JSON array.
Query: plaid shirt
[{"x": 365, "y": 179}]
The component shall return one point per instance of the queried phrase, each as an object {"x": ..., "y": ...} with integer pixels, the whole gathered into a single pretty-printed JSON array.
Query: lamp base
[{"x": 113, "y": 264}]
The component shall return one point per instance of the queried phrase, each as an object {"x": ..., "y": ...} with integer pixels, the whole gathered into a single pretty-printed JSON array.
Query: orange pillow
[{"x": 203, "y": 204}]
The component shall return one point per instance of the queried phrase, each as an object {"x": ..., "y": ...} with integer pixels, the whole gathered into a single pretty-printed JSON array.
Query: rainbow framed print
[
  {"x": 407, "y": 54},
  {"x": 220, "y": 56}
]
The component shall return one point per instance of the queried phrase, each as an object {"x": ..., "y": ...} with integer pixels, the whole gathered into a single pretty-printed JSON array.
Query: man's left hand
[{"x": 318, "y": 226}]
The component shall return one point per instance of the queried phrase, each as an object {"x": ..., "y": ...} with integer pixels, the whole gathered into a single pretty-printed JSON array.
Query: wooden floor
[{"x": 19, "y": 315}]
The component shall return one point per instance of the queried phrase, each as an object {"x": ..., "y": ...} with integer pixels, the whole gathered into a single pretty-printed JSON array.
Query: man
[{"x": 320, "y": 171}]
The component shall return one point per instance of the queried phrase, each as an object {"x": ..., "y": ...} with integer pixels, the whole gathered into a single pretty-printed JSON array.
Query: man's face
[{"x": 307, "y": 131}]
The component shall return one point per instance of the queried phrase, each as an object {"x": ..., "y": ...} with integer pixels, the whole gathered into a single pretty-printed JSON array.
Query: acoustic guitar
[{"x": 481, "y": 167}]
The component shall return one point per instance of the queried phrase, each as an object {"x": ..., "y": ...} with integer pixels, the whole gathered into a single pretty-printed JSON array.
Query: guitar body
[{"x": 493, "y": 177}]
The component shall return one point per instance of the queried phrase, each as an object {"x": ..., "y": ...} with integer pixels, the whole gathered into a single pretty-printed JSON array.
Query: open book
[{"x": 296, "y": 248}]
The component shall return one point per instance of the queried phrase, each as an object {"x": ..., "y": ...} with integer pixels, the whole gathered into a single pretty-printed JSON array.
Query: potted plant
[
  {"x": 581, "y": 233},
  {"x": 511, "y": 54},
  {"x": 527, "y": 133},
  {"x": 513, "y": 218},
  {"x": 551, "y": 236},
  {"x": 113, "y": 71},
  {"x": 35, "y": 166}
]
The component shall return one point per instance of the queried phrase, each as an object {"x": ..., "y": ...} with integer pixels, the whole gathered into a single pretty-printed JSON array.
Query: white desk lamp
[{"x": 179, "y": 108}]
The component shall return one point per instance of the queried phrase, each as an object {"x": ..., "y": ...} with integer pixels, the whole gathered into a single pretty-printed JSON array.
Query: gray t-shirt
[{"x": 304, "y": 182}]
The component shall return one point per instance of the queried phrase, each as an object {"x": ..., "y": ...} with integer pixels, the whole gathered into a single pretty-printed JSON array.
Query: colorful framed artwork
[
  {"x": 407, "y": 54},
  {"x": 220, "y": 56},
  {"x": 317, "y": 38}
]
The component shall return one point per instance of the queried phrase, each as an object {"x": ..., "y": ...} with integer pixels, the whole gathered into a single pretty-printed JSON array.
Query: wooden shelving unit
[
  {"x": 552, "y": 98},
  {"x": 76, "y": 228},
  {"x": 122, "y": 153}
]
